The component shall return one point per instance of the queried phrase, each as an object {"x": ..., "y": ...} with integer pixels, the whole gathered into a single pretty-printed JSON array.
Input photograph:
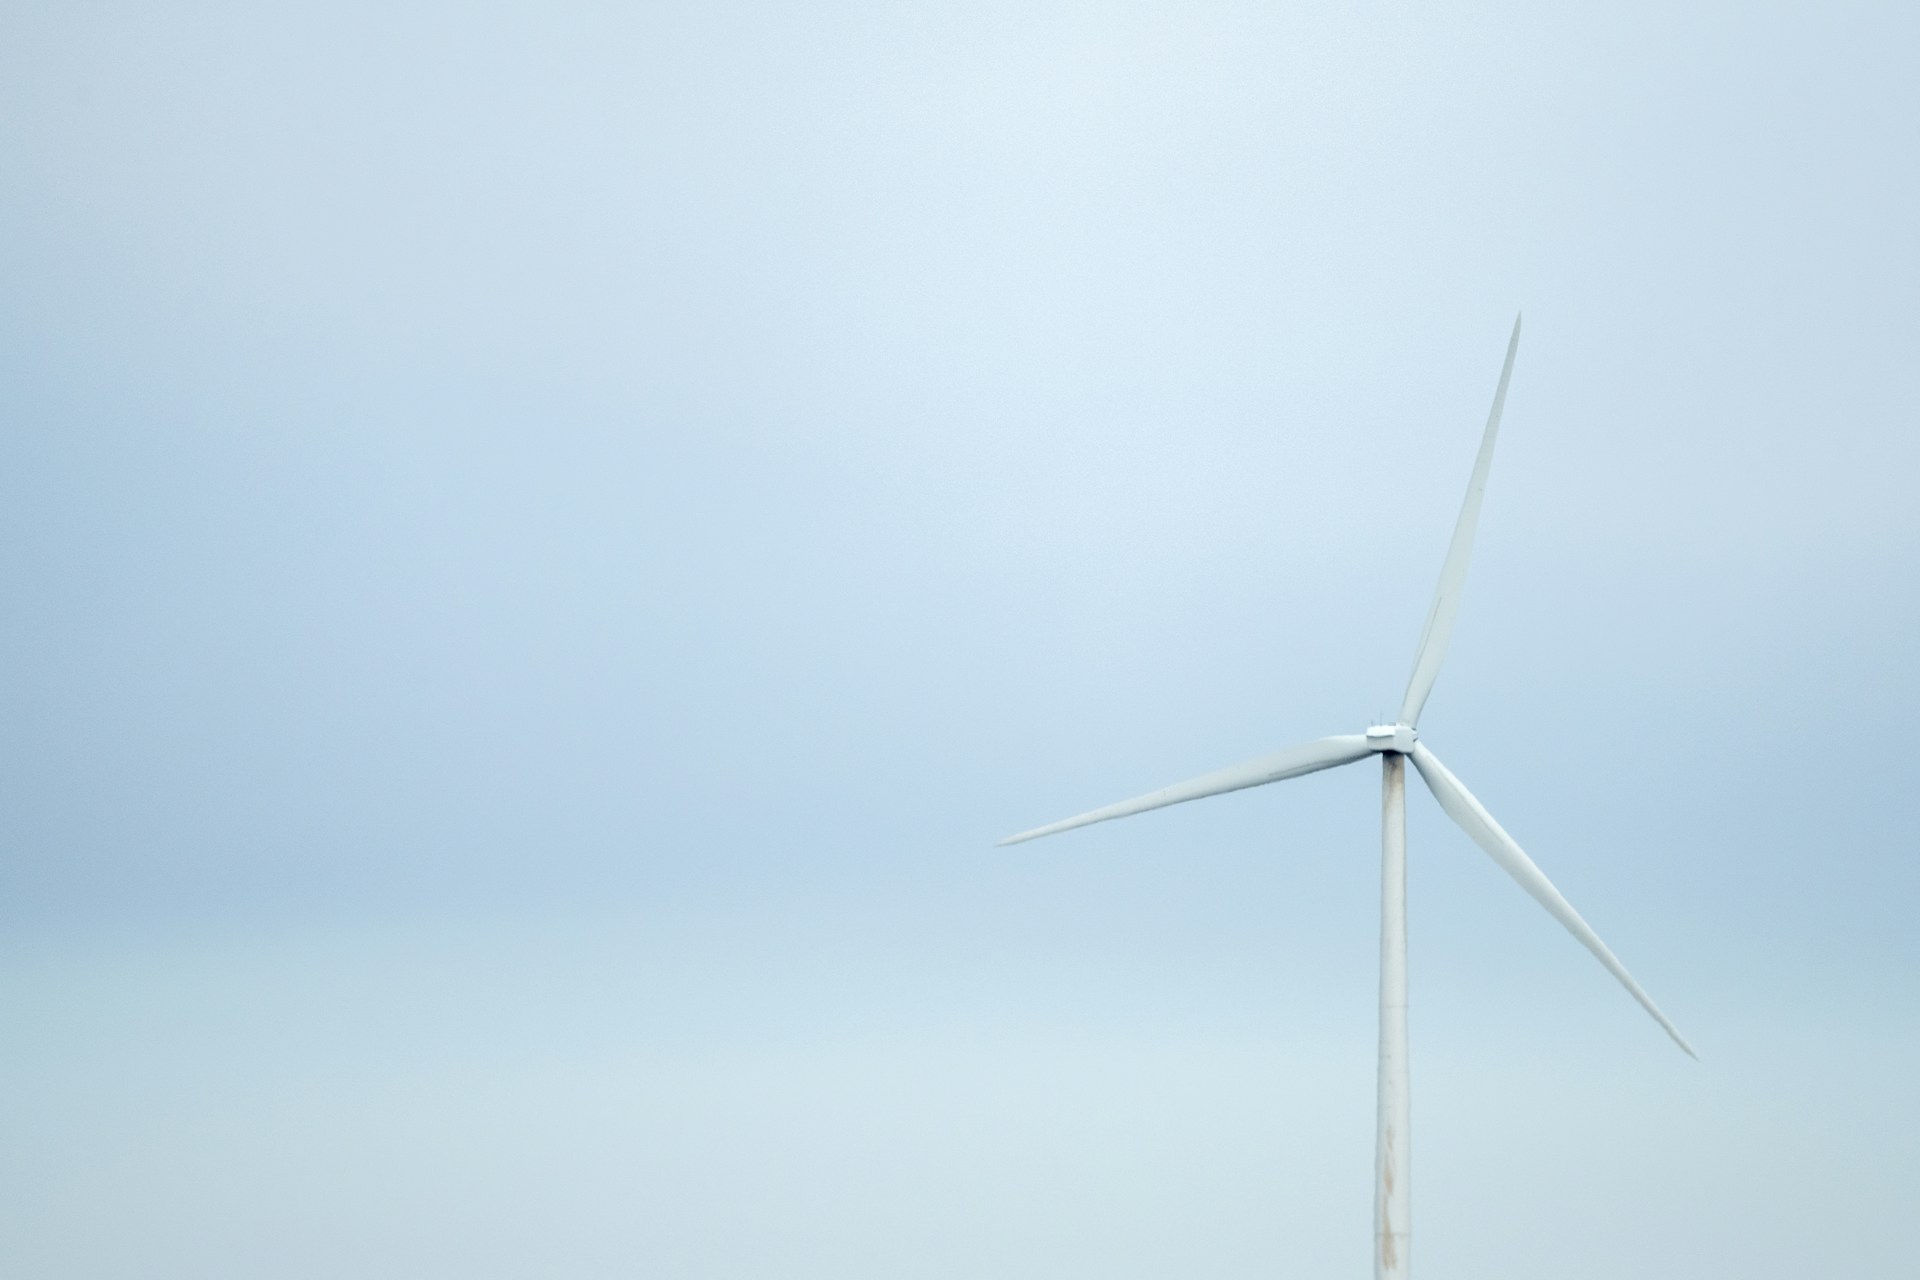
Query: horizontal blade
[
  {"x": 1453, "y": 573},
  {"x": 1478, "y": 823},
  {"x": 1290, "y": 763}
]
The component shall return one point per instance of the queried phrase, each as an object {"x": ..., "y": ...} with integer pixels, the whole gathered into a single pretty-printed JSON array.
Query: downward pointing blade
[
  {"x": 1478, "y": 823},
  {"x": 1453, "y": 574},
  {"x": 1290, "y": 763}
]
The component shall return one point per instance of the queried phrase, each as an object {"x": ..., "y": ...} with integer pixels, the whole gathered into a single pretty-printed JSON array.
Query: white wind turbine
[{"x": 1394, "y": 743}]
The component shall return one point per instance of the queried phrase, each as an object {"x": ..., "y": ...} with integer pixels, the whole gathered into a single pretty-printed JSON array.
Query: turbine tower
[{"x": 1395, "y": 744}]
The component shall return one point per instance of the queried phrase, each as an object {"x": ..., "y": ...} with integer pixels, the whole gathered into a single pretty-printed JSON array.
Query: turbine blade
[
  {"x": 1478, "y": 823},
  {"x": 1290, "y": 763},
  {"x": 1453, "y": 573}
]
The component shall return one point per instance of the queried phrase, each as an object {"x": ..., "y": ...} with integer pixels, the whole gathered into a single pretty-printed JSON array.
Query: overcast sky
[{"x": 542, "y": 544}]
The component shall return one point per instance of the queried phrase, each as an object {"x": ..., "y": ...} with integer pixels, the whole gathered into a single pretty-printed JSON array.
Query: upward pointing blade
[
  {"x": 1453, "y": 574},
  {"x": 1478, "y": 823},
  {"x": 1290, "y": 763}
]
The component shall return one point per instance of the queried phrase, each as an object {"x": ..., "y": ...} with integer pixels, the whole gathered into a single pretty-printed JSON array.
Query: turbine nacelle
[{"x": 1392, "y": 737}]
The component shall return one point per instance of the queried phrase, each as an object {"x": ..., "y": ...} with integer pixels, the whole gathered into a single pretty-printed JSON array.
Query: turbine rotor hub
[{"x": 1398, "y": 738}]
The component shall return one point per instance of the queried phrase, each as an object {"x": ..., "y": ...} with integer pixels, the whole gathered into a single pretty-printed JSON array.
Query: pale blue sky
[{"x": 544, "y": 543}]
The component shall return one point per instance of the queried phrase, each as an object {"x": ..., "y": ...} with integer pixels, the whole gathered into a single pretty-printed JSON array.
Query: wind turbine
[{"x": 1395, "y": 744}]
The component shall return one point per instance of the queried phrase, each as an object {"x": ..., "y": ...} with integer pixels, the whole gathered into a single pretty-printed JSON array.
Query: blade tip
[{"x": 1673, "y": 1034}]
